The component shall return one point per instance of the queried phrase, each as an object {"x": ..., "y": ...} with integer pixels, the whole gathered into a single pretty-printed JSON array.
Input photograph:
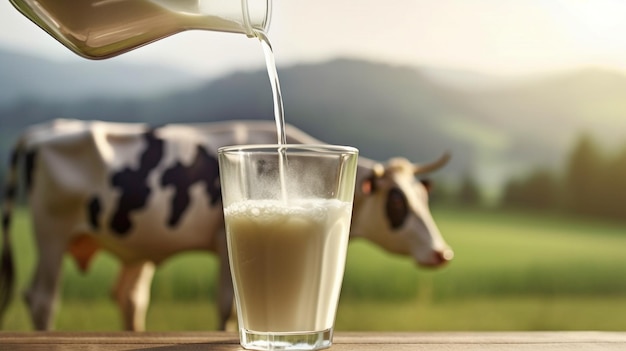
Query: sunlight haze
[{"x": 504, "y": 37}]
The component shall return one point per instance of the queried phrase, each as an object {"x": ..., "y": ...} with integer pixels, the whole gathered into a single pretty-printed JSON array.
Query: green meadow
[{"x": 511, "y": 271}]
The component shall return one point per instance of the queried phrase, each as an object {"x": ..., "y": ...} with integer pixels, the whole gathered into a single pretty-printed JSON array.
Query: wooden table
[{"x": 365, "y": 341}]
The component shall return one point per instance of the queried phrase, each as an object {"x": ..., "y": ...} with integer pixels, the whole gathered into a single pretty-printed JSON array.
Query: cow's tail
[{"x": 7, "y": 268}]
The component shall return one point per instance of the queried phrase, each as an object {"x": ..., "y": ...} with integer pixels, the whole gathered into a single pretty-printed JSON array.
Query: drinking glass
[{"x": 287, "y": 210}]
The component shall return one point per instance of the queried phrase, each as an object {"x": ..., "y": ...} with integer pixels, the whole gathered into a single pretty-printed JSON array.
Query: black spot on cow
[
  {"x": 133, "y": 184},
  {"x": 203, "y": 169},
  {"x": 93, "y": 212},
  {"x": 397, "y": 208}
]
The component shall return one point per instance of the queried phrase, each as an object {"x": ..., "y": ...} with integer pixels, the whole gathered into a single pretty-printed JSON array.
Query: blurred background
[{"x": 529, "y": 97}]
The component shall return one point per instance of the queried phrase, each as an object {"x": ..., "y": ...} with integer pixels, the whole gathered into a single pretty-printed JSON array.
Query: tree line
[{"x": 592, "y": 183}]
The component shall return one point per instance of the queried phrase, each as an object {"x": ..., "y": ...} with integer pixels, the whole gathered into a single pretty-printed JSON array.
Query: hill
[{"x": 24, "y": 76}]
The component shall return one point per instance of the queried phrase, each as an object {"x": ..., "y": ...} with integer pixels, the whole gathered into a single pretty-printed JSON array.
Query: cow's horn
[{"x": 421, "y": 169}]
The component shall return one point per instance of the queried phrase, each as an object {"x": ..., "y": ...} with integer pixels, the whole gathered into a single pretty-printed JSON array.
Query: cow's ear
[
  {"x": 428, "y": 184},
  {"x": 367, "y": 185}
]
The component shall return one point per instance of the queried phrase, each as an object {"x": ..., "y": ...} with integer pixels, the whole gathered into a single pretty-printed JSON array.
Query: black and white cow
[{"x": 144, "y": 194}]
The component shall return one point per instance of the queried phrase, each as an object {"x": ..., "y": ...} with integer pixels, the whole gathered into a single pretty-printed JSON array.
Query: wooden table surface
[{"x": 379, "y": 341}]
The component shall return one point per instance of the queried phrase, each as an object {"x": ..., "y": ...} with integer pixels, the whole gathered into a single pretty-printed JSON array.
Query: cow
[{"x": 146, "y": 193}]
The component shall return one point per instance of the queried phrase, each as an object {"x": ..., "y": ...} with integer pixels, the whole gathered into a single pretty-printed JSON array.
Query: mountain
[
  {"x": 494, "y": 131},
  {"x": 24, "y": 76},
  {"x": 462, "y": 79}
]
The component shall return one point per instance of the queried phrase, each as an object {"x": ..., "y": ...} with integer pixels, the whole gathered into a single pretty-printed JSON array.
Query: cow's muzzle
[{"x": 438, "y": 258}]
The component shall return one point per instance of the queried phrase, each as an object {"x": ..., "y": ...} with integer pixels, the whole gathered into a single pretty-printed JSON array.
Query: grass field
[{"x": 512, "y": 271}]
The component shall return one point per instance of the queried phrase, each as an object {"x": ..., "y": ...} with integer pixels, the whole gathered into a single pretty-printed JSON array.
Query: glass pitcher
[{"x": 98, "y": 29}]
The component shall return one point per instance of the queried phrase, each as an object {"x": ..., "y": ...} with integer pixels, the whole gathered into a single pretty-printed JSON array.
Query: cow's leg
[
  {"x": 225, "y": 292},
  {"x": 132, "y": 293},
  {"x": 41, "y": 298}
]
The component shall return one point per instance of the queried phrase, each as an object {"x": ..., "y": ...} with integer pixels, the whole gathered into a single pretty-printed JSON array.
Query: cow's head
[{"x": 391, "y": 209}]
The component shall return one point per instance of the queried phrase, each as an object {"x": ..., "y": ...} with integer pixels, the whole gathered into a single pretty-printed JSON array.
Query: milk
[
  {"x": 287, "y": 261},
  {"x": 100, "y": 29}
]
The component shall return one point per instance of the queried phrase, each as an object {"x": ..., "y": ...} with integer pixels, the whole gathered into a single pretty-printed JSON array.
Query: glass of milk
[{"x": 287, "y": 210}]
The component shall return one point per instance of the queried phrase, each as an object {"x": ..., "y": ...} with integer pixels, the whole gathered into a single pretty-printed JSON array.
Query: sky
[{"x": 501, "y": 37}]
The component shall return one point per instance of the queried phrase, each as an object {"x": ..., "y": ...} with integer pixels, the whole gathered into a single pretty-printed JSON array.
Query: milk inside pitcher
[{"x": 98, "y": 29}]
